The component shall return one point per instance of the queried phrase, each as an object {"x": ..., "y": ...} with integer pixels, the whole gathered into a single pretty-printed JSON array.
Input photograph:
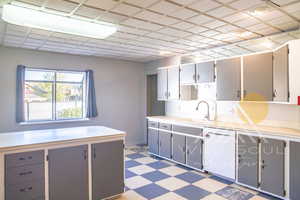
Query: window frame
[{"x": 54, "y": 117}]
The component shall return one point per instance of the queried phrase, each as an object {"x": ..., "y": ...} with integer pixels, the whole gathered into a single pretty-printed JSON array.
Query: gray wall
[{"x": 120, "y": 89}]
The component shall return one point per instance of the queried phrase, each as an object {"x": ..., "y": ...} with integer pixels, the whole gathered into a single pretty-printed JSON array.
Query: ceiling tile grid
[{"x": 148, "y": 28}]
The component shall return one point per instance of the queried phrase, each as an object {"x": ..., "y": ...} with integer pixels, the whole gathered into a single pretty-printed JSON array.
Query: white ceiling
[{"x": 152, "y": 29}]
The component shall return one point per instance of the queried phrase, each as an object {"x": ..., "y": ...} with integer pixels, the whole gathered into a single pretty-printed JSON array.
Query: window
[{"x": 54, "y": 95}]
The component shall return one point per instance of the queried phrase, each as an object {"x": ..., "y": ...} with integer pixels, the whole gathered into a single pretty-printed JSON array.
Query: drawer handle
[
  {"x": 21, "y": 158},
  {"x": 26, "y": 189},
  {"x": 25, "y": 173}
]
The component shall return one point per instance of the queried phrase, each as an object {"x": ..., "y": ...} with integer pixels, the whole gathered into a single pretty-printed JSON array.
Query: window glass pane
[
  {"x": 69, "y": 101},
  {"x": 38, "y": 101},
  {"x": 38, "y": 75},
  {"x": 70, "y": 76}
]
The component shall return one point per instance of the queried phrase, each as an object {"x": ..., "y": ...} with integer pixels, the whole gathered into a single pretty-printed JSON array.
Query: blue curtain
[
  {"x": 20, "y": 115},
  {"x": 91, "y": 110}
]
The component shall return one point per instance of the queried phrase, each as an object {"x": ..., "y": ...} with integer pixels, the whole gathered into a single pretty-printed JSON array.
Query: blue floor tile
[
  {"x": 129, "y": 174},
  {"x": 131, "y": 163},
  {"x": 151, "y": 191},
  {"x": 155, "y": 176},
  {"x": 232, "y": 193},
  {"x": 192, "y": 193},
  {"x": 227, "y": 182},
  {"x": 158, "y": 165},
  {"x": 135, "y": 155},
  {"x": 190, "y": 177}
]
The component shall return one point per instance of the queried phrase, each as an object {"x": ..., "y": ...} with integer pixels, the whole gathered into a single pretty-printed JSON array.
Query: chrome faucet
[{"x": 208, "y": 113}]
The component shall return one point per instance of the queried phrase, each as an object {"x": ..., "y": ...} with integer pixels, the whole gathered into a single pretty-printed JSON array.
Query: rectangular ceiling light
[{"x": 37, "y": 19}]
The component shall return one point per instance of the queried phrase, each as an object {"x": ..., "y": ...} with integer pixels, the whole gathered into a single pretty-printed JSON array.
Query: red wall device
[{"x": 298, "y": 100}]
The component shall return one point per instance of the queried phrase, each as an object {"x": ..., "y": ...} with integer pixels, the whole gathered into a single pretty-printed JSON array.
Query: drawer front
[
  {"x": 26, "y": 158},
  {"x": 23, "y": 174},
  {"x": 188, "y": 130},
  {"x": 152, "y": 124},
  {"x": 26, "y": 191},
  {"x": 165, "y": 126}
]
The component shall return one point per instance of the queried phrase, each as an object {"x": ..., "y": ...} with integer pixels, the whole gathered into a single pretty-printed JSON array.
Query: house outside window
[{"x": 52, "y": 95}]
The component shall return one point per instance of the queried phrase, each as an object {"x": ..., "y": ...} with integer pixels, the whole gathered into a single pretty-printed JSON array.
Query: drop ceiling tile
[
  {"x": 187, "y": 42},
  {"x": 288, "y": 25},
  {"x": 247, "y": 22},
  {"x": 88, "y": 12},
  {"x": 132, "y": 30},
  {"x": 161, "y": 36},
  {"x": 126, "y": 9},
  {"x": 40, "y": 32},
  {"x": 267, "y": 31},
  {"x": 197, "y": 29},
  {"x": 183, "y": 25},
  {"x": 271, "y": 15},
  {"x": 183, "y": 13},
  {"x": 283, "y": 2},
  {"x": 33, "y": 41},
  {"x": 221, "y": 12},
  {"x": 157, "y": 18},
  {"x": 37, "y": 36},
  {"x": 173, "y": 32},
  {"x": 33, "y": 2},
  {"x": 204, "y": 5},
  {"x": 282, "y": 38},
  {"x": 228, "y": 28},
  {"x": 141, "y": 24},
  {"x": 143, "y": 3},
  {"x": 292, "y": 8},
  {"x": 103, "y": 4},
  {"x": 201, "y": 19},
  {"x": 236, "y": 17},
  {"x": 61, "y": 5},
  {"x": 164, "y": 7},
  {"x": 245, "y": 4},
  {"x": 12, "y": 28},
  {"x": 112, "y": 18},
  {"x": 296, "y": 14},
  {"x": 214, "y": 24},
  {"x": 209, "y": 33}
]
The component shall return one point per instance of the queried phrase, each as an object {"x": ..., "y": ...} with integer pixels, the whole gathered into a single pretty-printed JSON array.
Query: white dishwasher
[{"x": 219, "y": 152}]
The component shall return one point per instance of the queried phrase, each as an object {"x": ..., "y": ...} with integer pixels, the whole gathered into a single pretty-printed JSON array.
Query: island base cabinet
[
  {"x": 153, "y": 141},
  {"x": 194, "y": 152},
  {"x": 272, "y": 166},
  {"x": 68, "y": 173},
  {"x": 107, "y": 169},
  {"x": 248, "y": 148},
  {"x": 179, "y": 148},
  {"x": 294, "y": 170}
]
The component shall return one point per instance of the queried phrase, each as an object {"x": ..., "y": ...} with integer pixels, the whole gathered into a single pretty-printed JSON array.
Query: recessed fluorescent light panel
[{"x": 36, "y": 19}]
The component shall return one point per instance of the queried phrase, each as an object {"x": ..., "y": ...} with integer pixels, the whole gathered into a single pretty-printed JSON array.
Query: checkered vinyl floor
[{"x": 149, "y": 177}]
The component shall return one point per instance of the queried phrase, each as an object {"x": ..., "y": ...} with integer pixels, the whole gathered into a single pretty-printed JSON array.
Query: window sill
[{"x": 53, "y": 122}]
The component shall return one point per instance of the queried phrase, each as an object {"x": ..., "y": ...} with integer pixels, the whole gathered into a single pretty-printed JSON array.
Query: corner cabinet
[
  {"x": 68, "y": 171},
  {"x": 168, "y": 84},
  {"x": 107, "y": 169}
]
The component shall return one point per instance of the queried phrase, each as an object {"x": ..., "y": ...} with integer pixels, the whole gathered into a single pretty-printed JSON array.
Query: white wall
[{"x": 120, "y": 90}]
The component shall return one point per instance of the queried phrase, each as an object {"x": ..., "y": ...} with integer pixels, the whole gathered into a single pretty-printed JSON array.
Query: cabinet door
[
  {"x": 107, "y": 169},
  {"x": 194, "y": 151},
  {"x": 188, "y": 74},
  {"x": 280, "y": 75},
  {"x": 272, "y": 166},
  {"x": 153, "y": 141},
  {"x": 258, "y": 77},
  {"x": 294, "y": 170},
  {"x": 229, "y": 79},
  {"x": 248, "y": 160},
  {"x": 165, "y": 144},
  {"x": 162, "y": 84},
  {"x": 205, "y": 72},
  {"x": 68, "y": 173},
  {"x": 179, "y": 148},
  {"x": 173, "y": 83}
]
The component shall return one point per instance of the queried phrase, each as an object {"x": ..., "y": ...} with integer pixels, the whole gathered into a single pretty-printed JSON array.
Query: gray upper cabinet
[
  {"x": 281, "y": 75},
  {"x": 248, "y": 160},
  {"x": 294, "y": 170},
  {"x": 107, "y": 169},
  {"x": 272, "y": 167},
  {"x": 229, "y": 79},
  {"x": 173, "y": 83},
  {"x": 68, "y": 173},
  {"x": 188, "y": 74},
  {"x": 162, "y": 84},
  {"x": 258, "y": 76},
  {"x": 205, "y": 72}
]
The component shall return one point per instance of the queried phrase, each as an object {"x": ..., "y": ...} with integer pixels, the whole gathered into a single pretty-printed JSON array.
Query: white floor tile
[
  {"x": 141, "y": 169},
  {"x": 210, "y": 185},
  {"x": 213, "y": 197},
  {"x": 145, "y": 160},
  {"x": 170, "y": 196},
  {"x": 172, "y": 183},
  {"x": 173, "y": 170},
  {"x": 136, "y": 182},
  {"x": 131, "y": 195}
]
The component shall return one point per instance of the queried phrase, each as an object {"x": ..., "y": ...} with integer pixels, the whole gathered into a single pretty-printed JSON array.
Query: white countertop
[{"x": 29, "y": 138}]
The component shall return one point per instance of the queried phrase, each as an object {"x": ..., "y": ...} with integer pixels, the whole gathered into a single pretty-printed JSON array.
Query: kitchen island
[{"x": 55, "y": 164}]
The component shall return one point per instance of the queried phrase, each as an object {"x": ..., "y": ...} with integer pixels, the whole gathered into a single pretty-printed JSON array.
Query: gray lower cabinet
[
  {"x": 68, "y": 173},
  {"x": 179, "y": 148},
  {"x": 107, "y": 169},
  {"x": 194, "y": 148},
  {"x": 294, "y": 170},
  {"x": 165, "y": 144},
  {"x": 248, "y": 160},
  {"x": 153, "y": 142},
  {"x": 272, "y": 166}
]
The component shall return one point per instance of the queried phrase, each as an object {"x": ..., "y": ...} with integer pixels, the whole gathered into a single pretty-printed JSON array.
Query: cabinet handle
[
  {"x": 188, "y": 151},
  {"x": 85, "y": 154},
  {"x": 239, "y": 94},
  {"x": 25, "y": 173},
  {"x": 198, "y": 77},
  {"x": 275, "y": 93}
]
